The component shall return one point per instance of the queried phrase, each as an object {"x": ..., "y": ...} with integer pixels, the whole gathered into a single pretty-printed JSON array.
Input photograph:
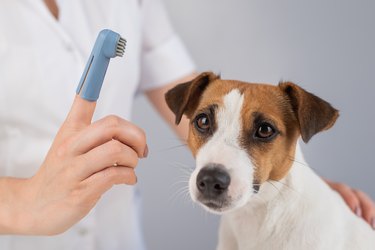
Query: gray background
[{"x": 325, "y": 46}]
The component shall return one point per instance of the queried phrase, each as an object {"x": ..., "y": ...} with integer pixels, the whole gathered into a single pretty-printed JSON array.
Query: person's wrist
[{"x": 14, "y": 215}]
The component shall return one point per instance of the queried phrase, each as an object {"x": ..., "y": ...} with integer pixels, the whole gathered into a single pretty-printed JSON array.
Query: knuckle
[
  {"x": 126, "y": 157},
  {"x": 351, "y": 199},
  {"x": 112, "y": 121},
  {"x": 122, "y": 153},
  {"x": 132, "y": 181},
  {"x": 136, "y": 133},
  {"x": 349, "y": 194},
  {"x": 63, "y": 149},
  {"x": 131, "y": 158},
  {"x": 123, "y": 175},
  {"x": 128, "y": 177},
  {"x": 141, "y": 135},
  {"x": 365, "y": 200},
  {"x": 341, "y": 187},
  {"x": 116, "y": 147},
  {"x": 133, "y": 161},
  {"x": 364, "y": 196},
  {"x": 115, "y": 176},
  {"x": 109, "y": 173},
  {"x": 78, "y": 163}
]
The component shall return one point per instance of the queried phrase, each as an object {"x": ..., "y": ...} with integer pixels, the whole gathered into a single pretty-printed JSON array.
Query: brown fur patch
[{"x": 274, "y": 158}]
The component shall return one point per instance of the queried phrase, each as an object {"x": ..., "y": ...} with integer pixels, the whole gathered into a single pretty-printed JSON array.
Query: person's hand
[
  {"x": 359, "y": 202},
  {"x": 84, "y": 161}
]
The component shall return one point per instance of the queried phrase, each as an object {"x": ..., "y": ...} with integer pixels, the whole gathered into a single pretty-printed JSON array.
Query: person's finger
[
  {"x": 102, "y": 181},
  {"x": 367, "y": 206},
  {"x": 349, "y": 197},
  {"x": 81, "y": 112},
  {"x": 106, "y": 129},
  {"x": 112, "y": 153}
]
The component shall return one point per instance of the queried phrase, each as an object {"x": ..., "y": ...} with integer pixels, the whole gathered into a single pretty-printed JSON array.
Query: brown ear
[
  {"x": 184, "y": 98},
  {"x": 313, "y": 113}
]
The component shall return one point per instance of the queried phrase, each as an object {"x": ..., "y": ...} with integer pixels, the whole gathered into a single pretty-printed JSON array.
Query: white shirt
[{"x": 41, "y": 61}]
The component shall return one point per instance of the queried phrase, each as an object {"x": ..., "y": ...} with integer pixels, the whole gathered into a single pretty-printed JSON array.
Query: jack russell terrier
[{"x": 250, "y": 169}]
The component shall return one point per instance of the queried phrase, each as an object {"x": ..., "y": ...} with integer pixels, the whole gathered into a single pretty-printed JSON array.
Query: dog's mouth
[
  {"x": 215, "y": 205},
  {"x": 220, "y": 204}
]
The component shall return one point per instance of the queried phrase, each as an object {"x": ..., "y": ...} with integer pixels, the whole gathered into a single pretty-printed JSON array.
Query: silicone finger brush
[{"x": 108, "y": 45}]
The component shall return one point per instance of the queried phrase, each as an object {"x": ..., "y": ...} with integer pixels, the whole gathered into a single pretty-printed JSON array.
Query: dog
[{"x": 250, "y": 169}]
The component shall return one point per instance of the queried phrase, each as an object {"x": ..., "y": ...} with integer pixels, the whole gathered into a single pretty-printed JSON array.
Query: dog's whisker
[
  {"x": 180, "y": 193},
  {"x": 278, "y": 190},
  {"x": 185, "y": 196},
  {"x": 285, "y": 185},
  {"x": 175, "y": 139},
  {"x": 183, "y": 165},
  {"x": 184, "y": 173},
  {"x": 293, "y": 159},
  {"x": 172, "y": 147},
  {"x": 270, "y": 182},
  {"x": 184, "y": 168},
  {"x": 185, "y": 182},
  {"x": 300, "y": 163}
]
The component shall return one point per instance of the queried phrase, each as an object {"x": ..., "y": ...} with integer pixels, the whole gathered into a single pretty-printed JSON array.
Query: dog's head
[{"x": 243, "y": 134}]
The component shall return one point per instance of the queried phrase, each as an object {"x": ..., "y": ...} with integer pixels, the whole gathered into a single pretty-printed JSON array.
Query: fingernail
[
  {"x": 373, "y": 223},
  {"x": 145, "y": 153},
  {"x": 358, "y": 211}
]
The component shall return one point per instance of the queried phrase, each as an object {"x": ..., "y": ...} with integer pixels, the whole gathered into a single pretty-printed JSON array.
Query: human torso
[{"x": 42, "y": 60}]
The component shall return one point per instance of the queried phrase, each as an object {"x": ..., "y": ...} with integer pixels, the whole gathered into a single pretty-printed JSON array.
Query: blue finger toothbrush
[{"x": 108, "y": 45}]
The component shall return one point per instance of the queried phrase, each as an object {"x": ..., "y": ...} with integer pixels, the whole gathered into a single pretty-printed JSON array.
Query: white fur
[
  {"x": 223, "y": 148},
  {"x": 301, "y": 213}
]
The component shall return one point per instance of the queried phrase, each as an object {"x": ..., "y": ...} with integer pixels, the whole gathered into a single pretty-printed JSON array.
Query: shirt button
[{"x": 83, "y": 231}]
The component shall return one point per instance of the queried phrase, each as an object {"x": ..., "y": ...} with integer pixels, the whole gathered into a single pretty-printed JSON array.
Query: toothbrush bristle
[{"x": 121, "y": 47}]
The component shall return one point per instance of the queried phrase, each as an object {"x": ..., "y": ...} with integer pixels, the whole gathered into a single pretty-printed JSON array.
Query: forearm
[
  {"x": 13, "y": 219},
  {"x": 157, "y": 98}
]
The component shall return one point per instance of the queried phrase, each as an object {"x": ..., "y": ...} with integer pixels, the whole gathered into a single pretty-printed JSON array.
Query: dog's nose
[{"x": 213, "y": 180}]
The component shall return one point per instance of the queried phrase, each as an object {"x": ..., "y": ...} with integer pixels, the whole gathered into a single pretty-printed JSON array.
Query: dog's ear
[
  {"x": 313, "y": 113},
  {"x": 184, "y": 98}
]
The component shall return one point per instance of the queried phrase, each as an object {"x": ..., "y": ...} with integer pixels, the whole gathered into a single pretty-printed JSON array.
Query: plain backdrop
[{"x": 325, "y": 46}]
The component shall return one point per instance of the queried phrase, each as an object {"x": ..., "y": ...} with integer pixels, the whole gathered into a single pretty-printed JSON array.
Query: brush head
[
  {"x": 110, "y": 44},
  {"x": 120, "y": 49}
]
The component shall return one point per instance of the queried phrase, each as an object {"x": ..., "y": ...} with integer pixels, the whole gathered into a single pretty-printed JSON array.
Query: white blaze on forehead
[
  {"x": 225, "y": 141},
  {"x": 229, "y": 118}
]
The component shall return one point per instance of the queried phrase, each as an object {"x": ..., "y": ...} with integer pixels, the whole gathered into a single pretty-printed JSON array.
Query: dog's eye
[
  {"x": 202, "y": 123},
  {"x": 265, "y": 131}
]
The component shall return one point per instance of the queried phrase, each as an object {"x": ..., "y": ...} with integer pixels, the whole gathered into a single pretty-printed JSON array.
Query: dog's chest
[
  {"x": 323, "y": 222},
  {"x": 251, "y": 233}
]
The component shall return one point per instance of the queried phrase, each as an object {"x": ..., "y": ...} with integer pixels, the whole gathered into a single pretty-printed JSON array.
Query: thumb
[{"x": 81, "y": 112}]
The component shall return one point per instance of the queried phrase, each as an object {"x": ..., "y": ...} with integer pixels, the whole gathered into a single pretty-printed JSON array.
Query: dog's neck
[{"x": 278, "y": 207}]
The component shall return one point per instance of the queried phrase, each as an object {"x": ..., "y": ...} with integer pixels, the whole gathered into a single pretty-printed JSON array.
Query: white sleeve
[{"x": 164, "y": 57}]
